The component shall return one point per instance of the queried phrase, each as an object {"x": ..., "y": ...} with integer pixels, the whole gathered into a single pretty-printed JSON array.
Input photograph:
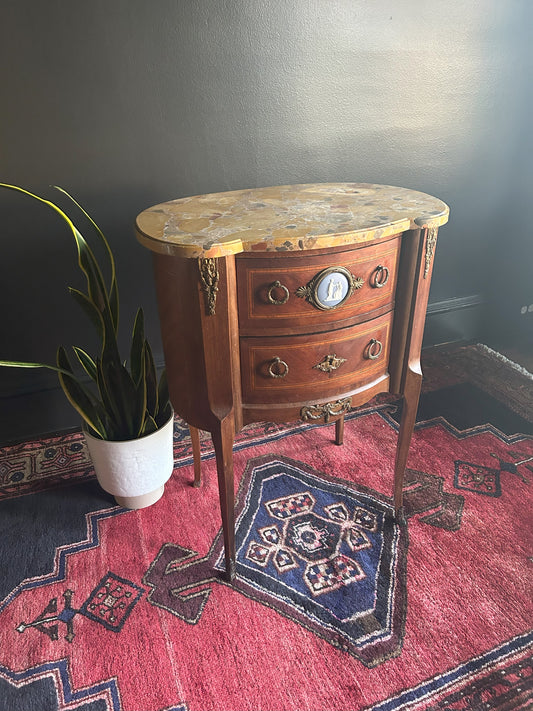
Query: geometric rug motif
[
  {"x": 424, "y": 493},
  {"x": 477, "y": 478},
  {"x": 109, "y": 604},
  {"x": 321, "y": 551},
  {"x": 112, "y": 601},
  {"x": 513, "y": 467}
]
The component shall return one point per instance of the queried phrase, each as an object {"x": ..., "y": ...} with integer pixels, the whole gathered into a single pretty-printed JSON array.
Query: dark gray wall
[{"x": 128, "y": 103}]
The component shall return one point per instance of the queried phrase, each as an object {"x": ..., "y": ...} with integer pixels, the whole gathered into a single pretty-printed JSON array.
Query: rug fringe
[{"x": 523, "y": 371}]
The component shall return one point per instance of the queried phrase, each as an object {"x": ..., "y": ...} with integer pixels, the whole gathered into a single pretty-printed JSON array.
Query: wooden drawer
[
  {"x": 292, "y": 280},
  {"x": 295, "y": 368}
]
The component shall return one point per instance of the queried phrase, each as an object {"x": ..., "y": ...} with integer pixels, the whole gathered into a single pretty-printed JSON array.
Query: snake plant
[{"x": 117, "y": 400}]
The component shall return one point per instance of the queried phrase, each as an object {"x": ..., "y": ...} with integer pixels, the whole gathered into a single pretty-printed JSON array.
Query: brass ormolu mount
[
  {"x": 209, "y": 277},
  {"x": 327, "y": 410}
]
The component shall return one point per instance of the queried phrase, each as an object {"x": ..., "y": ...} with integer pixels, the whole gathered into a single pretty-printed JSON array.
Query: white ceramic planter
[{"x": 134, "y": 471}]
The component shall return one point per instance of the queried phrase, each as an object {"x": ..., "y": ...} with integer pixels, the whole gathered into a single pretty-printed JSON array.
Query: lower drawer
[{"x": 293, "y": 368}]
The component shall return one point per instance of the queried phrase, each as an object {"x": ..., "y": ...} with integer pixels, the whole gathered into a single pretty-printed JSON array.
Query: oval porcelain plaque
[{"x": 332, "y": 289}]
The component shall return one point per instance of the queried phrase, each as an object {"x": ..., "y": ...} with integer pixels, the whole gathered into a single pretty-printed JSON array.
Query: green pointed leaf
[
  {"x": 48, "y": 203},
  {"x": 120, "y": 397},
  {"x": 150, "y": 375},
  {"x": 28, "y": 364},
  {"x": 113, "y": 290},
  {"x": 88, "y": 364},
  {"x": 89, "y": 266},
  {"x": 114, "y": 304},
  {"x": 164, "y": 415},
  {"x": 86, "y": 258},
  {"x": 102, "y": 385},
  {"x": 141, "y": 412},
  {"x": 111, "y": 396},
  {"x": 137, "y": 346},
  {"x": 149, "y": 426},
  {"x": 95, "y": 280},
  {"x": 90, "y": 309},
  {"x": 164, "y": 405},
  {"x": 91, "y": 269},
  {"x": 78, "y": 396}
]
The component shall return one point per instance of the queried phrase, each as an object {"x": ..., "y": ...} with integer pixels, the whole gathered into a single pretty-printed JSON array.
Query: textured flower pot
[{"x": 134, "y": 471}]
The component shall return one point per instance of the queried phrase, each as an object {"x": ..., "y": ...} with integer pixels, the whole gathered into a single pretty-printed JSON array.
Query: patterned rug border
[
  {"x": 463, "y": 679},
  {"x": 39, "y": 459}
]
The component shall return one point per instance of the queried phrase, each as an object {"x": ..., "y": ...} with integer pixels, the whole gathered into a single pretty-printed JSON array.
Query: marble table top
[{"x": 283, "y": 218}]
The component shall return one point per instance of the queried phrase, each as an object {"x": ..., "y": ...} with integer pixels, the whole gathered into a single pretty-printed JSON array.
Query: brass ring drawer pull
[
  {"x": 374, "y": 349},
  {"x": 270, "y": 294},
  {"x": 281, "y": 368},
  {"x": 381, "y": 276}
]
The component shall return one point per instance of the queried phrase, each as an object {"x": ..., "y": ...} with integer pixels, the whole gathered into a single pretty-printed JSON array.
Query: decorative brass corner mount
[
  {"x": 209, "y": 277},
  {"x": 329, "y": 409},
  {"x": 431, "y": 241}
]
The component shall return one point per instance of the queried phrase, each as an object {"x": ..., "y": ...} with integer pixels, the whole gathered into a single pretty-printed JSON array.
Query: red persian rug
[{"x": 335, "y": 607}]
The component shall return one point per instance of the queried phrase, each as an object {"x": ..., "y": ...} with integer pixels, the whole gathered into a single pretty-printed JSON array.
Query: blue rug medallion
[{"x": 320, "y": 551}]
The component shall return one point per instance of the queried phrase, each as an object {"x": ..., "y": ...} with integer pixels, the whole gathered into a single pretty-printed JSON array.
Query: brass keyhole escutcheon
[
  {"x": 278, "y": 368},
  {"x": 381, "y": 276},
  {"x": 277, "y": 286},
  {"x": 330, "y": 363}
]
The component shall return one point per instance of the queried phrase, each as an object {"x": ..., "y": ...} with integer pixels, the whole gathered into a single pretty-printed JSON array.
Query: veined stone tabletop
[{"x": 285, "y": 218}]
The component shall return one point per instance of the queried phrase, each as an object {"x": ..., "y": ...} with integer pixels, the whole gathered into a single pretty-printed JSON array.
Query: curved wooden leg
[
  {"x": 339, "y": 430},
  {"x": 195, "y": 439},
  {"x": 413, "y": 383},
  {"x": 223, "y": 441}
]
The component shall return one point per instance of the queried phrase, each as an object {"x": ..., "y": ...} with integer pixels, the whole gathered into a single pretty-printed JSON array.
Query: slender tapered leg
[
  {"x": 197, "y": 459},
  {"x": 223, "y": 438},
  {"x": 339, "y": 430},
  {"x": 413, "y": 383}
]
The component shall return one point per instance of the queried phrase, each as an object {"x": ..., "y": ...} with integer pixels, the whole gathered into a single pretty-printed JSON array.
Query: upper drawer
[{"x": 301, "y": 293}]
